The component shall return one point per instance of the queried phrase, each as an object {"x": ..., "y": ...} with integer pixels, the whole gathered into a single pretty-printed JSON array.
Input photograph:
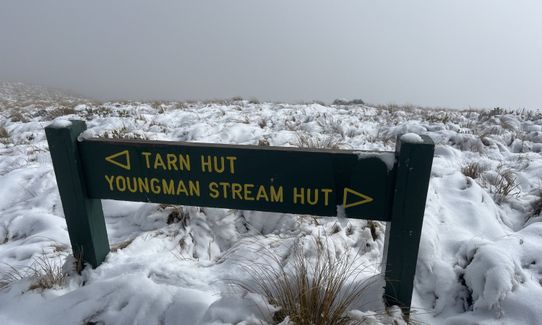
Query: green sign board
[
  {"x": 386, "y": 186},
  {"x": 241, "y": 177}
]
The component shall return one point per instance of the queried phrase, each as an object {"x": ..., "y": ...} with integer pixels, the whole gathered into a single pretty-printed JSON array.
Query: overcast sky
[{"x": 455, "y": 53}]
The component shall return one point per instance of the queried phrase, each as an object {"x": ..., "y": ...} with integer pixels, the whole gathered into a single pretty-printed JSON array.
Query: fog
[{"x": 454, "y": 53}]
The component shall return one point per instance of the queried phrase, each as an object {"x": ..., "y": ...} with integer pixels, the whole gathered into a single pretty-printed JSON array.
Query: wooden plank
[
  {"x": 84, "y": 216},
  {"x": 404, "y": 231},
  {"x": 301, "y": 181}
]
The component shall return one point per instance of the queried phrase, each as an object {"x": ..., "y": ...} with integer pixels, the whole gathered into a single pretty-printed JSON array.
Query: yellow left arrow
[
  {"x": 121, "y": 159},
  {"x": 356, "y": 198}
]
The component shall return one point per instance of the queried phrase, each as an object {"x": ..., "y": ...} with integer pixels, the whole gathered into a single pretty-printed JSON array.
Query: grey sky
[{"x": 457, "y": 53}]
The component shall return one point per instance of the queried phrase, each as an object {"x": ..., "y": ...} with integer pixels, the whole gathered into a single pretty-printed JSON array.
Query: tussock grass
[
  {"x": 4, "y": 135},
  {"x": 3, "y": 132},
  {"x": 177, "y": 215},
  {"x": 488, "y": 114},
  {"x": 502, "y": 185},
  {"x": 225, "y": 102},
  {"x": 329, "y": 124},
  {"x": 537, "y": 204},
  {"x": 121, "y": 245},
  {"x": 505, "y": 185},
  {"x": 473, "y": 170},
  {"x": 158, "y": 105},
  {"x": 318, "y": 290},
  {"x": 438, "y": 117},
  {"x": 314, "y": 142},
  {"x": 263, "y": 142},
  {"x": 16, "y": 115},
  {"x": 124, "y": 133},
  {"x": 344, "y": 102},
  {"x": 262, "y": 123},
  {"x": 61, "y": 111},
  {"x": 44, "y": 273}
]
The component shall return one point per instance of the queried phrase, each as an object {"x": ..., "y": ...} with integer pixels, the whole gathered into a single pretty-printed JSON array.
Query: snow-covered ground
[{"x": 480, "y": 259}]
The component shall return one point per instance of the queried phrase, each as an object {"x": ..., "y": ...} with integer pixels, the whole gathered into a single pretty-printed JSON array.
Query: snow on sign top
[
  {"x": 411, "y": 138},
  {"x": 241, "y": 177},
  {"x": 388, "y": 159},
  {"x": 60, "y": 123}
]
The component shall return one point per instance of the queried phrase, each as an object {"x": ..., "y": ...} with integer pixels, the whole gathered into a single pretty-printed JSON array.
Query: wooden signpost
[{"x": 385, "y": 186}]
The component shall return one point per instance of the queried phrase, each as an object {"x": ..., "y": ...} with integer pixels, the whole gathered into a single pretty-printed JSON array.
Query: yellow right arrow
[{"x": 357, "y": 196}]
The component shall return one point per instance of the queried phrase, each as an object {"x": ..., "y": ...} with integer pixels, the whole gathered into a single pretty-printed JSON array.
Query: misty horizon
[{"x": 456, "y": 54}]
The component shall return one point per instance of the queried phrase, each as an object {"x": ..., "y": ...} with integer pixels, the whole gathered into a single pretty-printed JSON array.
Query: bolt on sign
[{"x": 385, "y": 186}]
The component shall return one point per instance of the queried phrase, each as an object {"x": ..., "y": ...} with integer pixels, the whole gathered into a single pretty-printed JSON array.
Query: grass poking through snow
[
  {"x": 44, "y": 273},
  {"x": 473, "y": 170},
  {"x": 316, "y": 289}
]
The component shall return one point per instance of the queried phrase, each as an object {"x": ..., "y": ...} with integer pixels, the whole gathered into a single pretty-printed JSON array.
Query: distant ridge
[
  {"x": 20, "y": 94},
  {"x": 19, "y": 91}
]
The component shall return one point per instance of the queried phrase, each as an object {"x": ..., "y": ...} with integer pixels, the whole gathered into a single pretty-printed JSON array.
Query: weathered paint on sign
[{"x": 289, "y": 180}]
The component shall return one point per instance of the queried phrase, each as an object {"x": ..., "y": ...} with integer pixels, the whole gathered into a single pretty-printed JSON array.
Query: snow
[
  {"x": 386, "y": 158},
  {"x": 480, "y": 257},
  {"x": 411, "y": 138},
  {"x": 341, "y": 215},
  {"x": 60, "y": 123}
]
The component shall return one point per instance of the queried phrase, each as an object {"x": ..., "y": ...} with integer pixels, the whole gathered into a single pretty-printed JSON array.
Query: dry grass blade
[
  {"x": 44, "y": 273},
  {"x": 473, "y": 170},
  {"x": 317, "y": 291},
  {"x": 10, "y": 276},
  {"x": 47, "y": 273},
  {"x": 538, "y": 205},
  {"x": 504, "y": 185},
  {"x": 3, "y": 132},
  {"x": 314, "y": 142}
]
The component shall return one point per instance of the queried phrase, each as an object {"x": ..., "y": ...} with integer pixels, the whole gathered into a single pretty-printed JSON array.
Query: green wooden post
[
  {"x": 84, "y": 216},
  {"x": 414, "y": 160}
]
